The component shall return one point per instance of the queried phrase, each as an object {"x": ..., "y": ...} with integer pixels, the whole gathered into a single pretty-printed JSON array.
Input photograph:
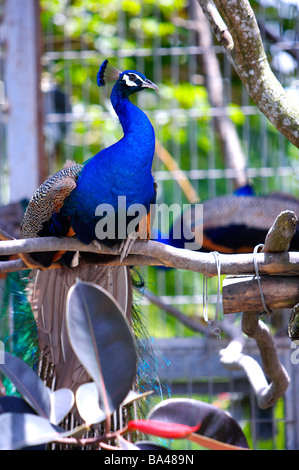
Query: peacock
[
  {"x": 230, "y": 224},
  {"x": 74, "y": 202}
]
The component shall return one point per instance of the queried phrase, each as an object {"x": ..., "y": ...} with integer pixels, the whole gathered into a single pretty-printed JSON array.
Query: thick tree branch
[
  {"x": 155, "y": 253},
  {"x": 243, "y": 294},
  {"x": 229, "y": 139},
  {"x": 233, "y": 359},
  {"x": 217, "y": 24},
  {"x": 278, "y": 239},
  {"x": 250, "y": 62}
]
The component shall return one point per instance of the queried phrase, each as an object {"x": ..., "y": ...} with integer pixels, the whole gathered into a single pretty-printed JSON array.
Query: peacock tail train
[
  {"x": 32, "y": 324},
  {"x": 66, "y": 204},
  {"x": 17, "y": 324}
]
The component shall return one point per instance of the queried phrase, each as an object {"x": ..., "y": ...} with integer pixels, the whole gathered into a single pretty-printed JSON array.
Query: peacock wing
[
  {"x": 42, "y": 217},
  {"x": 48, "y": 199}
]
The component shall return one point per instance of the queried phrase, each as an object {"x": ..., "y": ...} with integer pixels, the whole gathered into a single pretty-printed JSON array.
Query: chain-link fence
[{"x": 163, "y": 41}]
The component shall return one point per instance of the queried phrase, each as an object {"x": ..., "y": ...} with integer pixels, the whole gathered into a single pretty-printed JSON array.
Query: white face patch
[{"x": 129, "y": 82}]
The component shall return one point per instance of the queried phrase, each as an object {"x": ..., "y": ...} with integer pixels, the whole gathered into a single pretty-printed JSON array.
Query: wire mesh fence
[{"x": 160, "y": 40}]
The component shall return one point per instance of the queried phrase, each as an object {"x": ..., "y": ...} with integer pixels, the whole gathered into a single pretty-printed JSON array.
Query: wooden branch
[
  {"x": 230, "y": 143},
  {"x": 250, "y": 62},
  {"x": 233, "y": 359},
  {"x": 195, "y": 325},
  {"x": 217, "y": 24},
  {"x": 279, "y": 236},
  {"x": 272, "y": 367},
  {"x": 178, "y": 175},
  {"x": 241, "y": 294},
  {"x": 278, "y": 239},
  {"x": 155, "y": 253}
]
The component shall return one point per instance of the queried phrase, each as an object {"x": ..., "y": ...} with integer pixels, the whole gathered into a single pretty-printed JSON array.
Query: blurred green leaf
[{"x": 236, "y": 114}]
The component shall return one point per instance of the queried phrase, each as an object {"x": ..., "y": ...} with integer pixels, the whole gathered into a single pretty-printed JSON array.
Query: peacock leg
[{"x": 126, "y": 245}]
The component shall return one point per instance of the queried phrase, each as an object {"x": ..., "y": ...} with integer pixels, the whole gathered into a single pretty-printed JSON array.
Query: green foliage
[
  {"x": 17, "y": 324},
  {"x": 102, "y": 341}
]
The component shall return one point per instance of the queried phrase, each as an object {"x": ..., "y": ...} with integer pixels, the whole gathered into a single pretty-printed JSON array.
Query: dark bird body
[
  {"x": 239, "y": 223},
  {"x": 232, "y": 224}
]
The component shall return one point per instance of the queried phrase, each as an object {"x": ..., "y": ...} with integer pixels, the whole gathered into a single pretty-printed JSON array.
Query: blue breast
[{"x": 124, "y": 169}]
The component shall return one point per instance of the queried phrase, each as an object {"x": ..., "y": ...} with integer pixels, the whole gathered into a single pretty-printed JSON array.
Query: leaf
[
  {"x": 87, "y": 401},
  {"x": 212, "y": 444},
  {"x": 21, "y": 430},
  {"x": 169, "y": 430},
  {"x": 215, "y": 423},
  {"x": 88, "y": 398},
  {"x": 148, "y": 445},
  {"x": 134, "y": 396},
  {"x": 62, "y": 401},
  {"x": 9, "y": 404},
  {"x": 126, "y": 445},
  {"x": 102, "y": 340},
  {"x": 29, "y": 385}
]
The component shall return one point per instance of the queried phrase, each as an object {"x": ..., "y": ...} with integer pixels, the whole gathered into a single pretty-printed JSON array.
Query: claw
[
  {"x": 97, "y": 245},
  {"x": 126, "y": 245},
  {"x": 75, "y": 260}
]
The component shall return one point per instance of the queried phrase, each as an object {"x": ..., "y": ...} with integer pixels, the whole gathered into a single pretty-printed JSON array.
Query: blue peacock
[{"x": 66, "y": 205}]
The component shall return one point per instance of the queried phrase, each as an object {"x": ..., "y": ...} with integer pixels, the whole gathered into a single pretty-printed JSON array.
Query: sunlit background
[{"x": 160, "y": 40}]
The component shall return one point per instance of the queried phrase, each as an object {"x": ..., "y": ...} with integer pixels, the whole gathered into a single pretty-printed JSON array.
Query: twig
[
  {"x": 217, "y": 24},
  {"x": 250, "y": 62},
  {"x": 178, "y": 175},
  {"x": 155, "y": 253},
  {"x": 187, "y": 321},
  {"x": 230, "y": 143}
]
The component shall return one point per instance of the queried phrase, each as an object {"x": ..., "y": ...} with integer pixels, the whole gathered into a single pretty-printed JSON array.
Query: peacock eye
[{"x": 132, "y": 77}]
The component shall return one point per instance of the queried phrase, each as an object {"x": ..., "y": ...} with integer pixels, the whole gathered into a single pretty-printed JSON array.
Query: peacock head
[{"x": 127, "y": 82}]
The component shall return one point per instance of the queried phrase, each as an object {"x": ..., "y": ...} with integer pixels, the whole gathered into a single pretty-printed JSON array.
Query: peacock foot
[
  {"x": 126, "y": 245},
  {"x": 97, "y": 244}
]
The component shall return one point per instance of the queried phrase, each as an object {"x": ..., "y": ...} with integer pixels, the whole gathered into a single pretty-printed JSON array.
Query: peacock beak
[{"x": 148, "y": 84}]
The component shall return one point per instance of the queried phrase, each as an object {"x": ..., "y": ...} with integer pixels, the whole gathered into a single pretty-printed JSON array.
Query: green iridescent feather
[{"x": 18, "y": 329}]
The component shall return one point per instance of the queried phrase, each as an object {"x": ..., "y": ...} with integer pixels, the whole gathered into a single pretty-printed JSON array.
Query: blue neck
[{"x": 132, "y": 119}]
